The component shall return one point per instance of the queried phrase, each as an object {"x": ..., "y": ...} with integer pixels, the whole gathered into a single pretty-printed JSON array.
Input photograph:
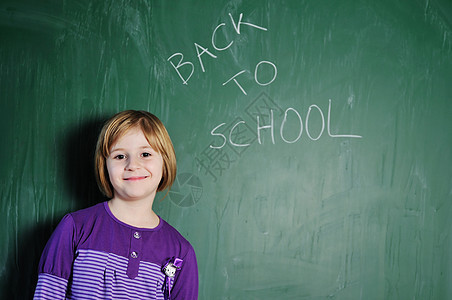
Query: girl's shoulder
[
  {"x": 169, "y": 229},
  {"x": 172, "y": 235},
  {"x": 89, "y": 211},
  {"x": 87, "y": 215}
]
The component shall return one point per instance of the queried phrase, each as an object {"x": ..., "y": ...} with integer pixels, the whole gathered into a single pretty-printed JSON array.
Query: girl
[{"x": 120, "y": 249}]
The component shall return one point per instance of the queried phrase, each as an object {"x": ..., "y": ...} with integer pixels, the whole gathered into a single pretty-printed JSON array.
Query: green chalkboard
[{"x": 313, "y": 138}]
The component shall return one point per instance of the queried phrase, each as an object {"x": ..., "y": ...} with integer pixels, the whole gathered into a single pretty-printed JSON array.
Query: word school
[{"x": 302, "y": 125}]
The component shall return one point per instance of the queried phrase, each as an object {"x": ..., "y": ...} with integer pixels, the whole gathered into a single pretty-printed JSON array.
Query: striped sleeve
[
  {"x": 50, "y": 287},
  {"x": 55, "y": 266}
]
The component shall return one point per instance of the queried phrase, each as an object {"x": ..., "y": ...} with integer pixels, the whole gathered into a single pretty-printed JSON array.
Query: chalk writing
[
  {"x": 185, "y": 69},
  {"x": 214, "y": 162},
  {"x": 275, "y": 71},
  {"x": 231, "y": 140},
  {"x": 227, "y": 137}
]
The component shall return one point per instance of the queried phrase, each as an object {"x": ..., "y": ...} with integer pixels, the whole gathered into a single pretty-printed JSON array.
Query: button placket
[{"x": 134, "y": 254}]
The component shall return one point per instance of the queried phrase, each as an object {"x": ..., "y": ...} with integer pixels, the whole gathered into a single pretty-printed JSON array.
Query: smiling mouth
[{"x": 135, "y": 178}]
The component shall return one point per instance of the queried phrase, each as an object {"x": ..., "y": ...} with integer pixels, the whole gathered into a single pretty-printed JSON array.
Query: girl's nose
[{"x": 132, "y": 164}]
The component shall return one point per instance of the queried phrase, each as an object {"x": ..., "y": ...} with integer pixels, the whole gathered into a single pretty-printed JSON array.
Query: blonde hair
[{"x": 156, "y": 135}]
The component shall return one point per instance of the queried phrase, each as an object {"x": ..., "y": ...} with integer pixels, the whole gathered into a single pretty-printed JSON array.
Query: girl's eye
[
  {"x": 120, "y": 156},
  {"x": 146, "y": 154}
]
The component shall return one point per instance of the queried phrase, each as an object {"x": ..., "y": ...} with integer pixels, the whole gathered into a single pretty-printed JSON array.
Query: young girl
[{"x": 120, "y": 249}]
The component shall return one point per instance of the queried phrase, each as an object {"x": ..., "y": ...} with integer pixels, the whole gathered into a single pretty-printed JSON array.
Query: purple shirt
[{"x": 93, "y": 255}]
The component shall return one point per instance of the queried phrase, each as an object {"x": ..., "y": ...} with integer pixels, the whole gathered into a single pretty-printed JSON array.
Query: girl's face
[{"x": 134, "y": 168}]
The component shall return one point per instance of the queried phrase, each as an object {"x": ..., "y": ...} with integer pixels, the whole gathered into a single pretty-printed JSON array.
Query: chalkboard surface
[{"x": 313, "y": 138}]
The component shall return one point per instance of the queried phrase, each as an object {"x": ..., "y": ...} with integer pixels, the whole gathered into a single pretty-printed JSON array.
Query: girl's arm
[
  {"x": 186, "y": 283},
  {"x": 56, "y": 262}
]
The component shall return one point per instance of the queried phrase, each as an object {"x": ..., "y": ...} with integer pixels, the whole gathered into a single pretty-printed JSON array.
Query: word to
[{"x": 302, "y": 126}]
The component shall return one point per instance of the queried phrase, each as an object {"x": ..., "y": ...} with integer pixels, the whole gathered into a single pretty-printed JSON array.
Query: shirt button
[
  {"x": 134, "y": 254},
  {"x": 136, "y": 235}
]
